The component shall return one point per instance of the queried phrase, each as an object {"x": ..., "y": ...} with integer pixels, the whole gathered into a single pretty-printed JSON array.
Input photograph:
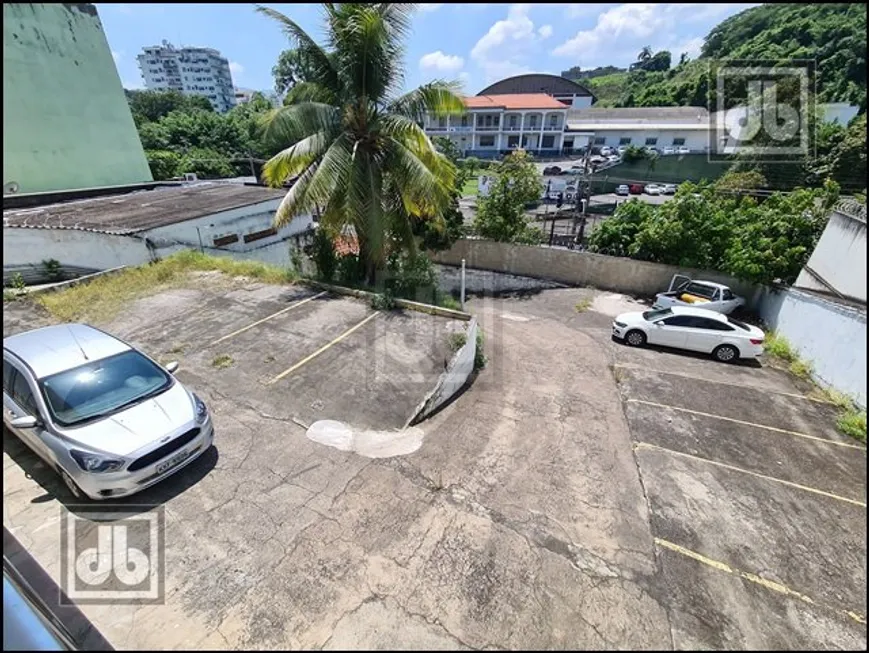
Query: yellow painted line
[
  {"x": 754, "y": 578},
  {"x": 730, "y": 383},
  {"x": 322, "y": 349},
  {"x": 754, "y": 424},
  {"x": 646, "y": 445},
  {"x": 265, "y": 319}
]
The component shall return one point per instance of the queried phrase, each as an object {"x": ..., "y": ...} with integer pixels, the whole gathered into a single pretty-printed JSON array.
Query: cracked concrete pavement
[{"x": 522, "y": 522}]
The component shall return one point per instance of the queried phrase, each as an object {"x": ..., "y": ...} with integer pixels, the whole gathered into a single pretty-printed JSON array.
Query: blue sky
[{"x": 473, "y": 43}]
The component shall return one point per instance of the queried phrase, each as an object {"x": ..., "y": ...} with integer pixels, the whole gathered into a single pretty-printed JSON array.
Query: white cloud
[
  {"x": 464, "y": 80},
  {"x": 445, "y": 63},
  {"x": 579, "y": 10},
  {"x": 236, "y": 68},
  {"x": 427, "y": 7},
  {"x": 545, "y": 31},
  {"x": 505, "y": 49},
  {"x": 622, "y": 30}
]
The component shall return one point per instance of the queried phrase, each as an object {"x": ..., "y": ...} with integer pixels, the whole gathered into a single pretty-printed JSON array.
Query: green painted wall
[{"x": 66, "y": 123}]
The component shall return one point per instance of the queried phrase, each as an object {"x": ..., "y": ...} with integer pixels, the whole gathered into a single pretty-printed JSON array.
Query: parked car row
[{"x": 649, "y": 189}]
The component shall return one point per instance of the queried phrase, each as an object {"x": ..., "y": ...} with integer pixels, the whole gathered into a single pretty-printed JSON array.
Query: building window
[
  {"x": 532, "y": 121},
  {"x": 651, "y": 141},
  {"x": 678, "y": 141},
  {"x": 442, "y": 122},
  {"x": 512, "y": 141},
  {"x": 548, "y": 142},
  {"x": 513, "y": 120},
  {"x": 464, "y": 121},
  {"x": 625, "y": 141},
  {"x": 553, "y": 121},
  {"x": 487, "y": 141},
  {"x": 259, "y": 235},
  {"x": 599, "y": 140}
]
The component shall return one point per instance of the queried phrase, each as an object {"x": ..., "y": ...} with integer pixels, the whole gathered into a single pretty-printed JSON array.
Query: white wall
[
  {"x": 71, "y": 247},
  {"x": 829, "y": 335},
  {"x": 839, "y": 257},
  {"x": 696, "y": 140}
]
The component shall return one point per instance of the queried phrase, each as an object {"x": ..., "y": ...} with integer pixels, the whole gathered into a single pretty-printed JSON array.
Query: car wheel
[
  {"x": 725, "y": 353},
  {"x": 635, "y": 338},
  {"x": 74, "y": 489}
]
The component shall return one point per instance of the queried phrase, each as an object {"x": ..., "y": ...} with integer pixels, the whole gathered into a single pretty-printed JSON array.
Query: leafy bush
[
  {"x": 52, "y": 269},
  {"x": 458, "y": 340},
  {"x": 411, "y": 276},
  {"x": 634, "y": 153},
  {"x": 853, "y": 423},
  {"x": 323, "y": 254},
  {"x": 17, "y": 281},
  {"x": 350, "y": 270},
  {"x": 501, "y": 214},
  {"x": 164, "y": 164},
  {"x": 480, "y": 359},
  {"x": 384, "y": 301}
]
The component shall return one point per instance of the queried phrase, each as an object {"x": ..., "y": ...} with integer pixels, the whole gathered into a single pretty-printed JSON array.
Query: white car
[
  {"x": 622, "y": 149},
  {"x": 614, "y": 158},
  {"x": 668, "y": 150},
  {"x": 606, "y": 150},
  {"x": 623, "y": 190},
  {"x": 653, "y": 189},
  {"x": 684, "y": 291},
  {"x": 669, "y": 189},
  {"x": 694, "y": 329},
  {"x": 683, "y": 150}
]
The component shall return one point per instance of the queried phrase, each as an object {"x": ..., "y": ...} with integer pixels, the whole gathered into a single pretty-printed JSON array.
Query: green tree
[
  {"x": 150, "y": 106},
  {"x": 206, "y": 164},
  {"x": 501, "y": 214},
  {"x": 740, "y": 181},
  {"x": 645, "y": 54},
  {"x": 292, "y": 68},
  {"x": 164, "y": 164},
  {"x": 355, "y": 145}
]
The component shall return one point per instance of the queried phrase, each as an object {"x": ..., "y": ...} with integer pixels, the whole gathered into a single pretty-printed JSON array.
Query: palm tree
[
  {"x": 645, "y": 53},
  {"x": 361, "y": 156}
]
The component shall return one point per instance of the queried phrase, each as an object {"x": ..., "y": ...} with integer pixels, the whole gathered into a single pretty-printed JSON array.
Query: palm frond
[
  {"x": 290, "y": 124},
  {"x": 295, "y": 159},
  {"x": 438, "y": 98},
  {"x": 310, "y": 92}
]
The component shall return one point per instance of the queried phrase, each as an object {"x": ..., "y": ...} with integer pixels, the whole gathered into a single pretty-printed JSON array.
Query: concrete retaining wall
[
  {"x": 453, "y": 379},
  {"x": 486, "y": 282},
  {"x": 637, "y": 278},
  {"x": 830, "y": 335}
]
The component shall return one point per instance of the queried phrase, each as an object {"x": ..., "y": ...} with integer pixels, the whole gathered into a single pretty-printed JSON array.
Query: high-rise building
[{"x": 193, "y": 71}]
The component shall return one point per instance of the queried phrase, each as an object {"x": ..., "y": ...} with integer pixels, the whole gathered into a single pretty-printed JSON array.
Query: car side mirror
[
  {"x": 24, "y": 422},
  {"x": 172, "y": 367}
]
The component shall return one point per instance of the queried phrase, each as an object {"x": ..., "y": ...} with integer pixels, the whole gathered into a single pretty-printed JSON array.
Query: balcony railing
[
  {"x": 553, "y": 128},
  {"x": 511, "y": 128},
  {"x": 488, "y": 128}
]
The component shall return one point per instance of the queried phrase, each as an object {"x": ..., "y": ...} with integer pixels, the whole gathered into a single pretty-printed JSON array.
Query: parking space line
[
  {"x": 736, "y": 385},
  {"x": 739, "y": 421},
  {"x": 266, "y": 319},
  {"x": 322, "y": 349},
  {"x": 646, "y": 445},
  {"x": 754, "y": 578}
]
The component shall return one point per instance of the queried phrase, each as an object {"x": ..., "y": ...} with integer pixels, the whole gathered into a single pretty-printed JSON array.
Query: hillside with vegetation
[{"x": 832, "y": 34}]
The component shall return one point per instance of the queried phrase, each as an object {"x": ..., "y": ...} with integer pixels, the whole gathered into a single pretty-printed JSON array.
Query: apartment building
[{"x": 192, "y": 71}]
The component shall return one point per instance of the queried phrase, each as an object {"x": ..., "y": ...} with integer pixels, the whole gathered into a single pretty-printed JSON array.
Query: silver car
[{"x": 107, "y": 418}]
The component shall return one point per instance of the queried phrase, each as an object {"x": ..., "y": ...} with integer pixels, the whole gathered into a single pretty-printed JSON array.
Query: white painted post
[{"x": 463, "y": 285}]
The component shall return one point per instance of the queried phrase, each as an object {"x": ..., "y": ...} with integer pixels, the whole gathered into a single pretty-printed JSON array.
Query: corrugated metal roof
[
  {"x": 139, "y": 211},
  {"x": 650, "y": 114},
  {"x": 573, "y": 126}
]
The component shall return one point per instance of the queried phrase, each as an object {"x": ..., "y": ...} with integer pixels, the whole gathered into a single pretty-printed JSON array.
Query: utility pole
[{"x": 583, "y": 187}]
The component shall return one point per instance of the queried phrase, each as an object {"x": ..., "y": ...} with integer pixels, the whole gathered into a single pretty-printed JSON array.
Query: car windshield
[
  {"x": 698, "y": 289},
  {"x": 652, "y": 315},
  {"x": 101, "y": 388}
]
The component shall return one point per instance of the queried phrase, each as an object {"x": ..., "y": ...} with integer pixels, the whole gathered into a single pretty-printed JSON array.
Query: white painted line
[{"x": 265, "y": 319}]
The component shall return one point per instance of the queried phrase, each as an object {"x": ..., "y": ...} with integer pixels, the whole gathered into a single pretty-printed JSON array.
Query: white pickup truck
[{"x": 700, "y": 294}]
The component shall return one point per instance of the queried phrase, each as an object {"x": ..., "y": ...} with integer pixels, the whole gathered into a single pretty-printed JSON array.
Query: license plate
[{"x": 174, "y": 460}]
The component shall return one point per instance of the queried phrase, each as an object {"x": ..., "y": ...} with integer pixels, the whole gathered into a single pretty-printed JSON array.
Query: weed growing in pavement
[
  {"x": 458, "y": 340},
  {"x": 383, "y": 301},
  {"x": 853, "y": 423},
  {"x": 583, "y": 305},
  {"x": 480, "y": 359},
  {"x": 18, "y": 282},
  {"x": 222, "y": 361}
]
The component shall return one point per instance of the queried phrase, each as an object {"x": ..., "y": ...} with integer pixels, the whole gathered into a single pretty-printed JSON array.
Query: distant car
[
  {"x": 683, "y": 150},
  {"x": 622, "y": 149},
  {"x": 623, "y": 190},
  {"x": 635, "y": 189},
  {"x": 108, "y": 419},
  {"x": 651, "y": 150},
  {"x": 575, "y": 170},
  {"x": 694, "y": 329},
  {"x": 684, "y": 291},
  {"x": 652, "y": 189},
  {"x": 614, "y": 158},
  {"x": 606, "y": 150},
  {"x": 552, "y": 171},
  {"x": 668, "y": 189},
  {"x": 668, "y": 150}
]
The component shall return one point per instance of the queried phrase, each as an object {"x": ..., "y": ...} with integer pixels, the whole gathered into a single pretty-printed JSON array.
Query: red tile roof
[
  {"x": 346, "y": 244},
  {"x": 514, "y": 101}
]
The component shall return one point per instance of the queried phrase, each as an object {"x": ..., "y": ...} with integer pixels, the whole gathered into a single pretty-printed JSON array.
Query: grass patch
[
  {"x": 778, "y": 347},
  {"x": 583, "y": 305},
  {"x": 102, "y": 298},
  {"x": 853, "y": 423},
  {"x": 448, "y": 301},
  {"x": 222, "y": 361},
  {"x": 458, "y": 340},
  {"x": 469, "y": 188},
  {"x": 9, "y": 295},
  {"x": 801, "y": 368}
]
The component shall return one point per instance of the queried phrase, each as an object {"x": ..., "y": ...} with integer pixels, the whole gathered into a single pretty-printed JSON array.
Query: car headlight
[
  {"x": 94, "y": 463},
  {"x": 201, "y": 410},
  {"x": 620, "y": 324}
]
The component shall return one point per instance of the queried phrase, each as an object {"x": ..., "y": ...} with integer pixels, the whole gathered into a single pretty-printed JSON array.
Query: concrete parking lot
[{"x": 580, "y": 494}]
